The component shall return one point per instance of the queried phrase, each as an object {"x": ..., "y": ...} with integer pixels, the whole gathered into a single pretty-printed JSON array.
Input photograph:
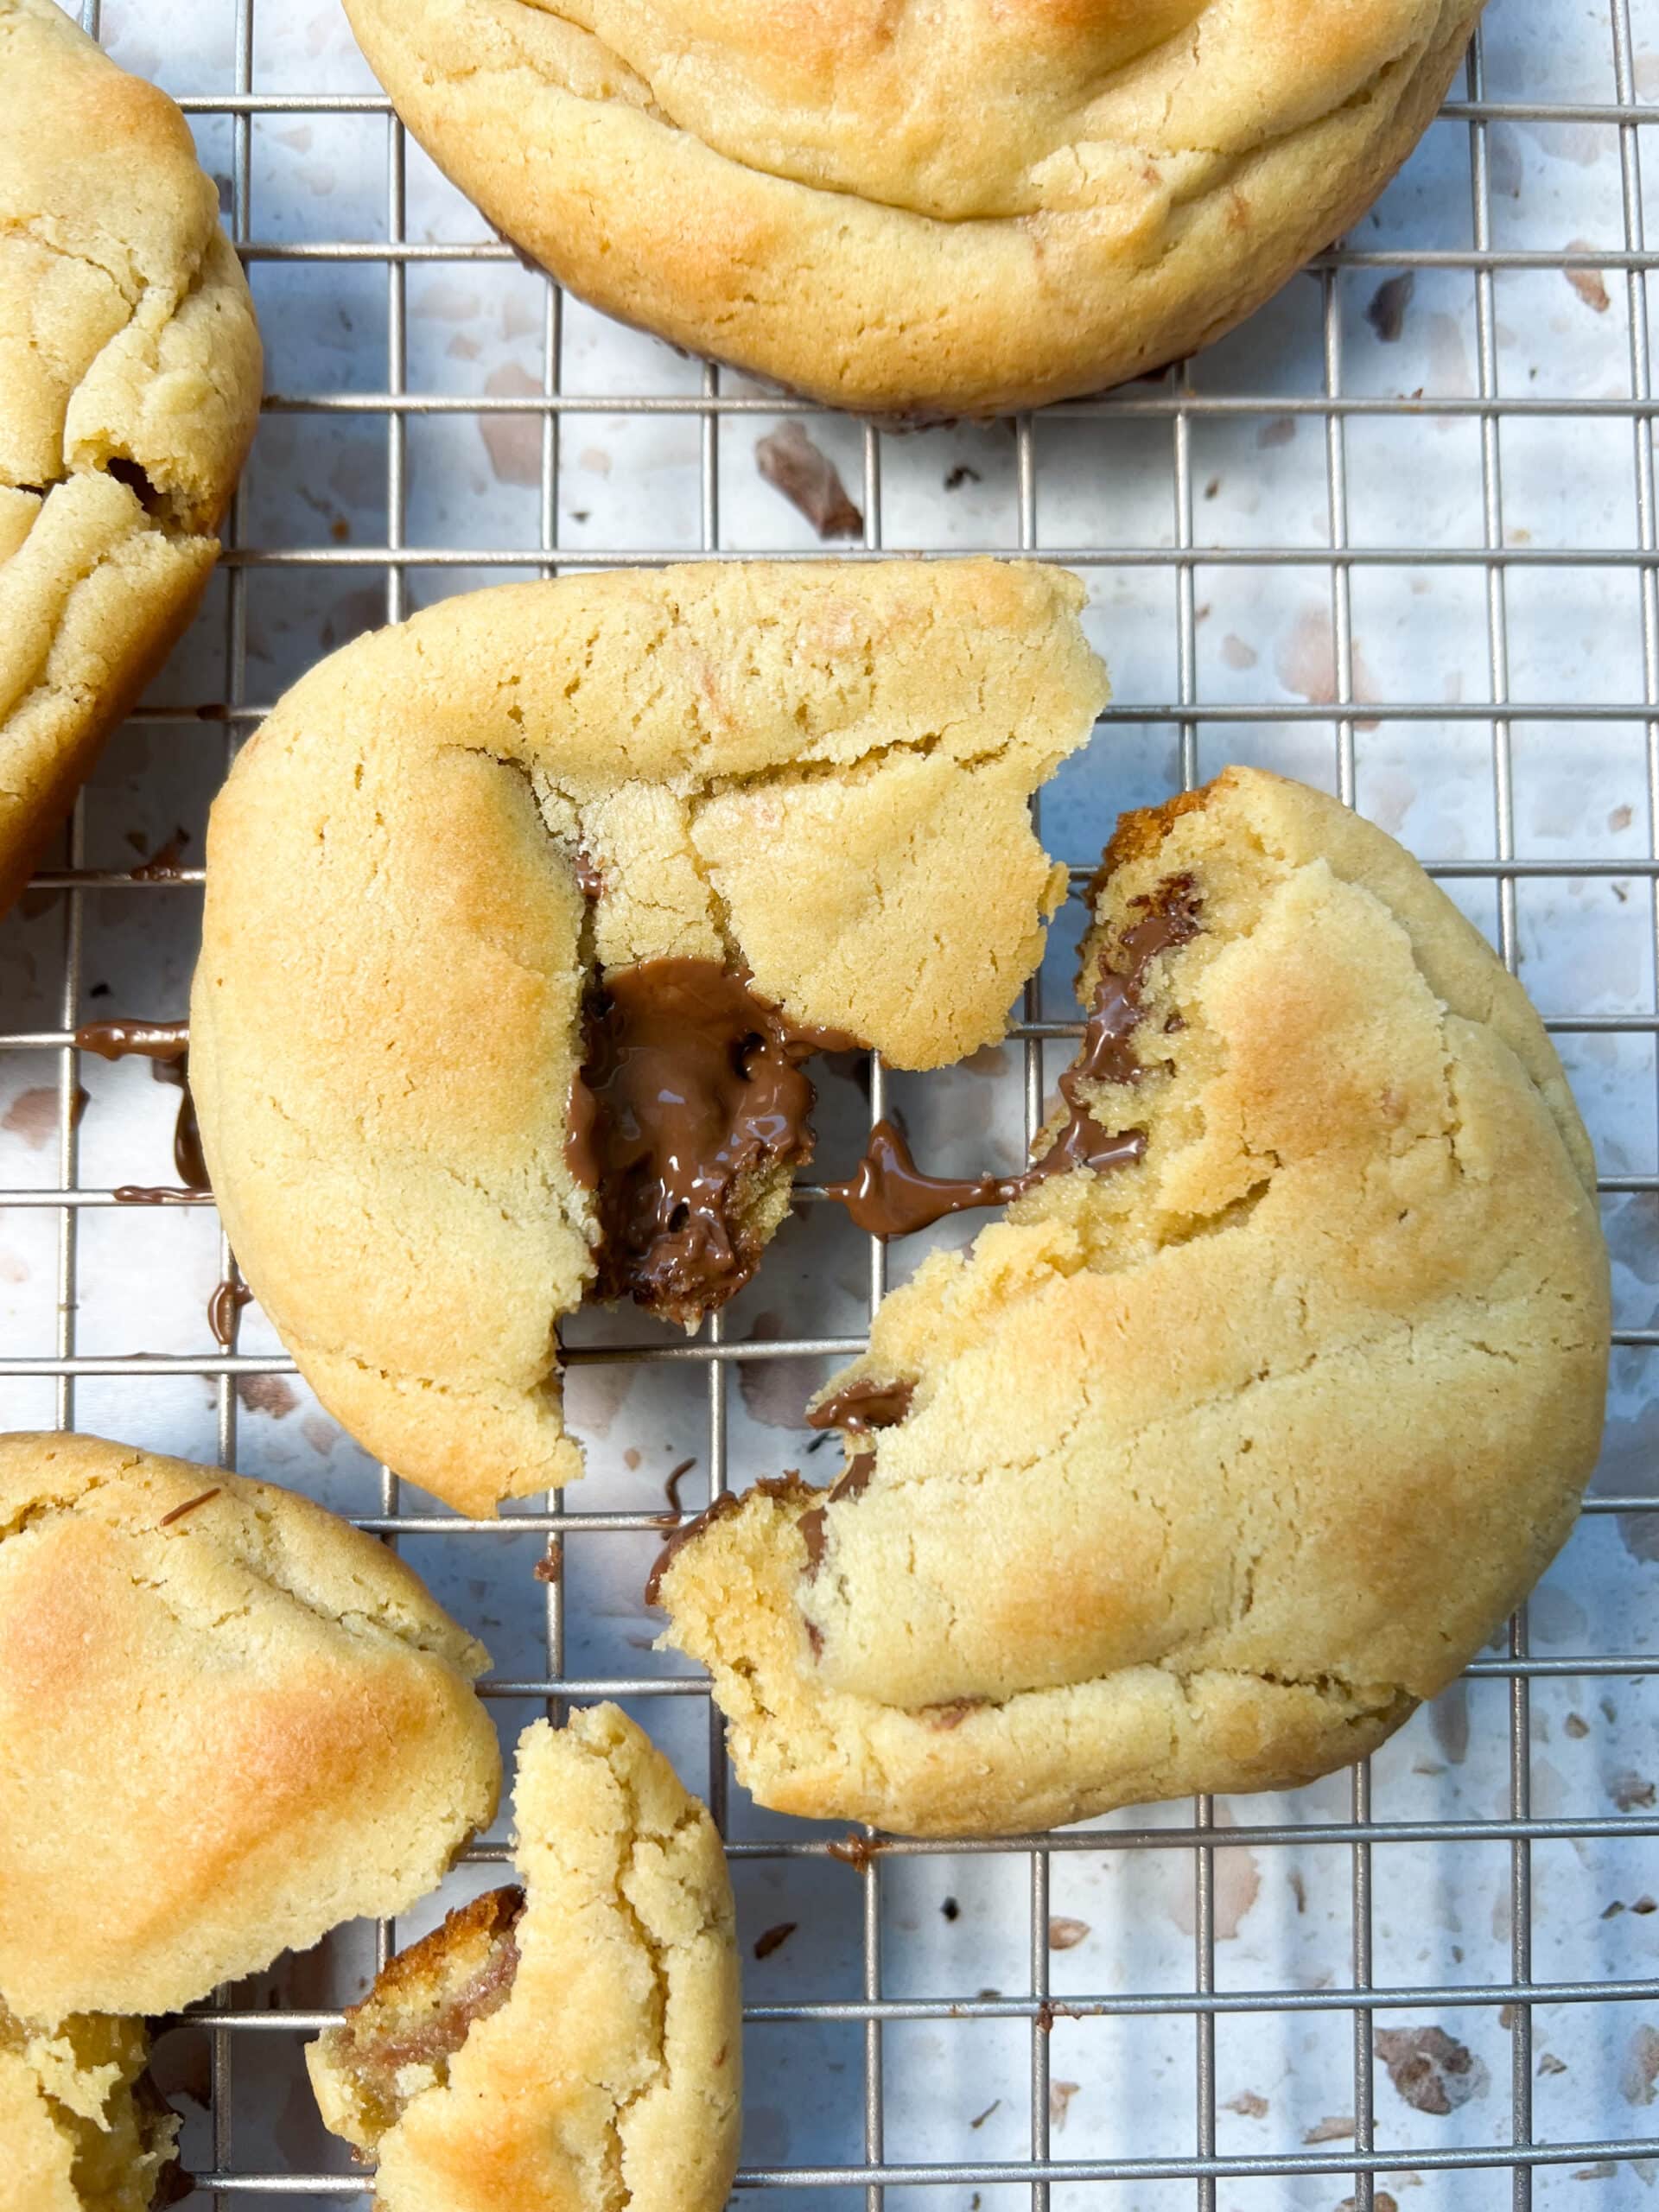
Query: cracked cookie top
[
  {"x": 477, "y": 877},
  {"x": 1202, "y": 1467},
  {"x": 231, "y": 1721},
  {"x": 130, "y": 371},
  {"x": 939, "y": 208},
  {"x": 577, "y": 2042}
]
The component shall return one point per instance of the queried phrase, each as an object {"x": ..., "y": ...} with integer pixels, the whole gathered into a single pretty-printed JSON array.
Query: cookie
[
  {"x": 81, "y": 2128},
  {"x": 129, "y": 371},
  {"x": 922, "y": 210},
  {"x": 1212, "y": 1457},
  {"x": 481, "y": 879},
  {"x": 577, "y": 2041},
  {"x": 231, "y": 1722}
]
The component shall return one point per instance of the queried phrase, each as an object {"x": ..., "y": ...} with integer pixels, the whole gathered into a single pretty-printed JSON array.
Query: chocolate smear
[
  {"x": 809, "y": 479},
  {"x": 862, "y": 1406},
  {"x": 692, "y": 1091},
  {"x": 589, "y": 881},
  {"x": 890, "y": 1196}
]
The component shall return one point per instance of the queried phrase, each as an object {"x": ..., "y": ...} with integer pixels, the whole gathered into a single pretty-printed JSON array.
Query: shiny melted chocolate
[
  {"x": 858, "y": 1411},
  {"x": 890, "y": 1196},
  {"x": 166, "y": 1045},
  {"x": 691, "y": 1088}
]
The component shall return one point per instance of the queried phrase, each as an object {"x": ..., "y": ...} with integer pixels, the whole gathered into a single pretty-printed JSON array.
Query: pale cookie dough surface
[
  {"x": 130, "y": 371},
  {"x": 226, "y": 1729},
  {"x": 820, "y": 773},
  {"x": 1215, "y": 1464},
  {"x": 947, "y": 208},
  {"x": 610, "y": 2075},
  {"x": 80, "y": 2129}
]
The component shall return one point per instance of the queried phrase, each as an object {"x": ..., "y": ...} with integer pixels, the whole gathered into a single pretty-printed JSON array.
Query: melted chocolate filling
[
  {"x": 166, "y": 1045},
  {"x": 890, "y": 1196},
  {"x": 858, "y": 1410},
  {"x": 691, "y": 1088}
]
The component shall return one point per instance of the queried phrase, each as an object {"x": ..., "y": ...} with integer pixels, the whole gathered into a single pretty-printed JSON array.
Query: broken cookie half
[
  {"x": 523, "y": 919},
  {"x": 82, "y": 2128},
  {"x": 230, "y": 1721},
  {"x": 1247, "y": 1423},
  {"x": 573, "y": 2042},
  {"x": 130, "y": 373}
]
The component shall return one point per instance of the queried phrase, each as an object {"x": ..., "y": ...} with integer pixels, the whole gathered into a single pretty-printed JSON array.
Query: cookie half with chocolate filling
[
  {"x": 575, "y": 2042},
  {"x": 523, "y": 918},
  {"x": 1236, "y": 1436},
  {"x": 82, "y": 2128}
]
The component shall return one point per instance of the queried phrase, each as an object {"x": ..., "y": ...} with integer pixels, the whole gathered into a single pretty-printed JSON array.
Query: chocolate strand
[{"x": 889, "y": 1196}]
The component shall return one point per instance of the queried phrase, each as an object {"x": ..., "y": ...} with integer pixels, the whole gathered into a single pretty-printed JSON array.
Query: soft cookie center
[{"x": 691, "y": 1102}]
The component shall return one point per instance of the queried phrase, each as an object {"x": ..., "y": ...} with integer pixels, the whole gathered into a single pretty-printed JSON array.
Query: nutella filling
[
  {"x": 858, "y": 1410},
  {"x": 425, "y": 2002},
  {"x": 690, "y": 1091},
  {"x": 890, "y": 1196},
  {"x": 166, "y": 1045}
]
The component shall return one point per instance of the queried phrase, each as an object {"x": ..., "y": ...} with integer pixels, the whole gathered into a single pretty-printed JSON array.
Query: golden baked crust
[
  {"x": 230, "y": 1721},
  {"x": 129, "y": 370},
  {"x": 819, "y": 772},
  {"x": 1218, "y": 1463},
  {"x": 80, "y": 2128},
  {"x": 610, "y": 2077},
  {"x": 921, "y": 209}
]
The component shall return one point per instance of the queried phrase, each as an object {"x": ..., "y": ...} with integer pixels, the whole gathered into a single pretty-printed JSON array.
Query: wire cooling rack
[{"x": 1399, "y": 536}]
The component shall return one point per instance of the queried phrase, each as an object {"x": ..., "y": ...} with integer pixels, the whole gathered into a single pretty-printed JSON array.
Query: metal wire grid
[{"x": 1172, "y": 402}]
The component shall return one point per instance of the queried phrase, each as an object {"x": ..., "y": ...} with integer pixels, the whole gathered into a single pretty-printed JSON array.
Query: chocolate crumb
[
  {"x": 189, "y": 1506},
  {"x": 809, "y": 479},
  {"x": 961, "y": 475},
  {"x": 986, "y": 2114},
  {"x": 950, "y": 1908},
  {"x": 774, "y": 1938},
  {"x": 856, "y": 1850},
  {"x": 546, "y": 1568}
]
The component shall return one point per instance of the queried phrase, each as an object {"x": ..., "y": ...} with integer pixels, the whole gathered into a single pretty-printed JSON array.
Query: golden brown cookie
[
  {"x": 1202, "y": 1467},
  {"x": 81, "y": 2128},
  {"x": 577, "y": 2044},
  {"x": 543, "y": 832},
  {"x": 129, "y": 369},
  {"x": 231, "y": 1721},
  {"x": 956, "y": 208}
]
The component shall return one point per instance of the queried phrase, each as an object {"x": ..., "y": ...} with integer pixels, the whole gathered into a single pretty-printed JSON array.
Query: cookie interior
[
  {"x": 86, "y": 2082},
  {"x": 688, "y": 1118},
  {"x": 400, "y": 2039}
]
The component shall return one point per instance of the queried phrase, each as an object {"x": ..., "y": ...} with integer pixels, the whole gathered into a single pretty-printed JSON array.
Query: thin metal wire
[{"x": 1188, "y": 717}]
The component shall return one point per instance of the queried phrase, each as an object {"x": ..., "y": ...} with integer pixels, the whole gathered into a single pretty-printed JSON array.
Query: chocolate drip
[
  {"x": 121, "y": 1040},
  {"x": 690, "y": 1091},
  {"x": 889, "y": 1195},
  {"x": 166, "y": 1045},
  {"x": 226, "y": 1302}
]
